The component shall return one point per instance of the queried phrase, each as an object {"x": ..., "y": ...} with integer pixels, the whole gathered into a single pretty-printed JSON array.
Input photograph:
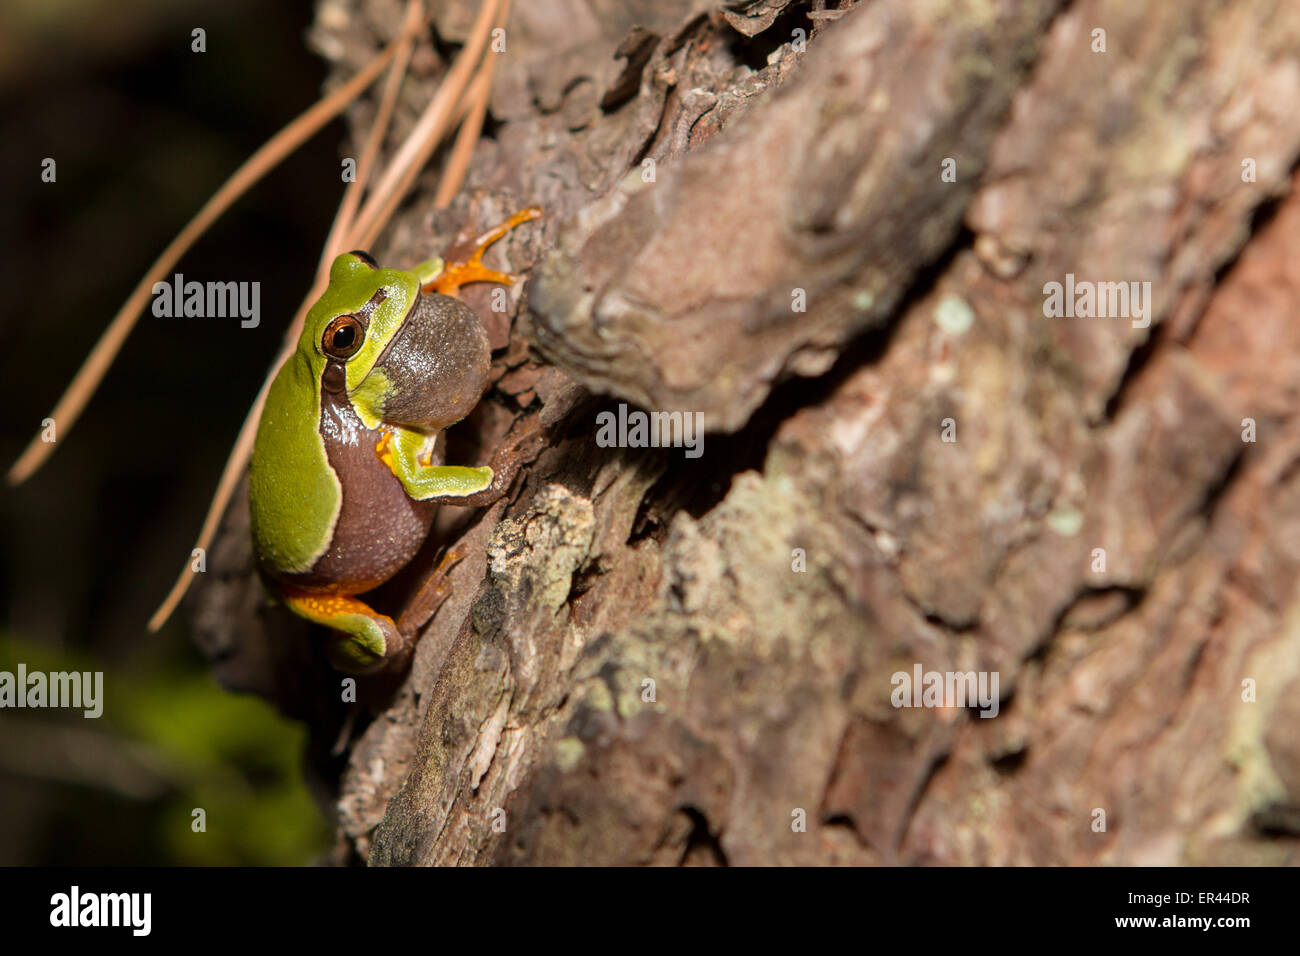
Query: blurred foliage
[
  {"x": 179, "y": 742},
  {"x": 143, "y": 130}
]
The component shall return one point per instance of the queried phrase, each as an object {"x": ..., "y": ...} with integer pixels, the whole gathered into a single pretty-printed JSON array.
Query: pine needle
[{"x": 83, "y": 385}]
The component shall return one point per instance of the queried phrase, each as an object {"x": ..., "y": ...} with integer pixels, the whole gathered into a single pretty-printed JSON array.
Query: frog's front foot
[
  {"x": 453, "y": 274},
  {"x": 517, "y": 451}
]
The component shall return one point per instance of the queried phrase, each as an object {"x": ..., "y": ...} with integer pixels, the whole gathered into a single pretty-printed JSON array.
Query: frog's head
[
  {"x": 401, "y": 356},
  {"x": 355, "y": 319}
]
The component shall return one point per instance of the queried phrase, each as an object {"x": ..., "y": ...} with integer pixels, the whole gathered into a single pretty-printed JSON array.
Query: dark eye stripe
[
  {"x": 365, "y": 257},
  {"x": 367, "y": 310}
]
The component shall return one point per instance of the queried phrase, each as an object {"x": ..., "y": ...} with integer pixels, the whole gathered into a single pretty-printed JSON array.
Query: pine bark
[{"x": 631, "y": 667}]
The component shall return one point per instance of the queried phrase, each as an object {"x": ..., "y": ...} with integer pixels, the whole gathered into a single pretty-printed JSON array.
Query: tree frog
[{"x": 347, "y": 469}]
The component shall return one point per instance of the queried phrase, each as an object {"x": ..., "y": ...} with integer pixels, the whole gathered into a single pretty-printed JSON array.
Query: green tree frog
[{"x": 347, "y": 470}]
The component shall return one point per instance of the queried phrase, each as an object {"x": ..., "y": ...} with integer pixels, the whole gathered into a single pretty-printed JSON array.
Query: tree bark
[{"x": 632, "y": 667}]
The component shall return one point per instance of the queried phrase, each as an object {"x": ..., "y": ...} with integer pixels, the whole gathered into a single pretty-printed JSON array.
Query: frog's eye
[
  {"x": 343, "y": 336},
  {"x": 365, "y": 257}
]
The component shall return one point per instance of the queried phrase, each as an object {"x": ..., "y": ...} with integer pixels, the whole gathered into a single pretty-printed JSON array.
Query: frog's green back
[{"x": 294, "y": 495}]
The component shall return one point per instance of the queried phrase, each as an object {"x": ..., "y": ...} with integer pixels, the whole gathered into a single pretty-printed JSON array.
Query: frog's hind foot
[{"x": 362, "y": 641}]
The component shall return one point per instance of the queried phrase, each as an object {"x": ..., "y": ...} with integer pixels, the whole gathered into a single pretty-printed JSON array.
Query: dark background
[{"x": 143, "y": 130}]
